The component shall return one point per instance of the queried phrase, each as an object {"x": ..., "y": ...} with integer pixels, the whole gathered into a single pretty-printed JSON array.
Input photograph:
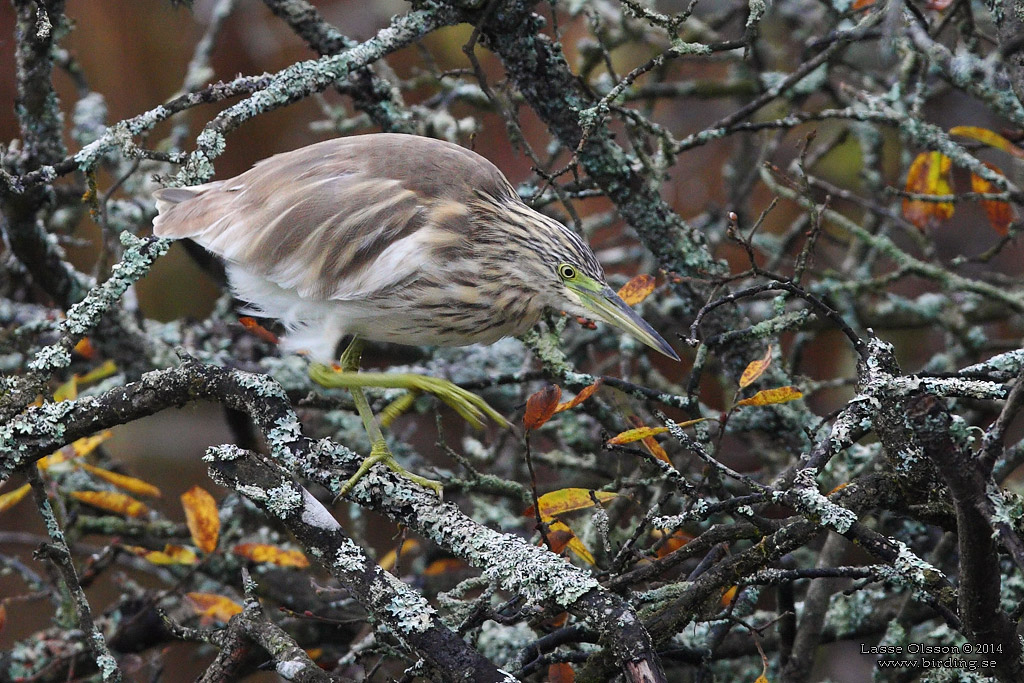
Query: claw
[{"x": 380, "y": 453}]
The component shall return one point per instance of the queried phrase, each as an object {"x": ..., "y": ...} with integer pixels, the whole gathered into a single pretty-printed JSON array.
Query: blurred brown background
[{"x": 135, "y": 53}]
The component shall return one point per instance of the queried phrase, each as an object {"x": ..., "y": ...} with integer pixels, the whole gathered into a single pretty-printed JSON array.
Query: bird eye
[{"x": 566, "y": 272}]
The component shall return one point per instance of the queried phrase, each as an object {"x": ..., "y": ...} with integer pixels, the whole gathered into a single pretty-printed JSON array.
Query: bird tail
[{"x": 177, "y": 209}]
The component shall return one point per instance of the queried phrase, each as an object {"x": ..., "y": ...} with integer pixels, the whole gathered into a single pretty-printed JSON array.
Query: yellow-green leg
[
  {"x": 470, "y": 406},
  {"x": 467, "y": 404}
]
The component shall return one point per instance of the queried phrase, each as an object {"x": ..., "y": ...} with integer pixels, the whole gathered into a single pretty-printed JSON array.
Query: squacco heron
[{"x": 392, "y": 238}]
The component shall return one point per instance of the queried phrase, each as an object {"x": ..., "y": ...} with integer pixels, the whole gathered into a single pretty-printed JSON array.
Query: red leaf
[{"x": 541, "y": 406}]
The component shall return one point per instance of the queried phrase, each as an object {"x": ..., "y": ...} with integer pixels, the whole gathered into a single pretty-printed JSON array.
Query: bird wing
[{"x": 338, "y": 219}]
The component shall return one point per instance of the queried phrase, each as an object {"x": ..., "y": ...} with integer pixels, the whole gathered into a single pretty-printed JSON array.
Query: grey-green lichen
[
  {"x": 349, "y": 557},
  {"x": 410, "y": 611},
  {"x": 812, "y": 502},
  {"x": 502, "y": 643},
  {"x": 138, "y": 257},
  {"x": 261, "y": 385},
  {"x": 909, "y": 569}
]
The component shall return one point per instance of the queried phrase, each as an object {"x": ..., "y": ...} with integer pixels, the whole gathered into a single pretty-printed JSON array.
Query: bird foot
[
  {"x": 380, "y": 453},
  {"x": 471, "y": 407}
]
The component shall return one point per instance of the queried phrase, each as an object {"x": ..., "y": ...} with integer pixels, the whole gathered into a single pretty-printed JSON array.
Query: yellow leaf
[
  {"x": 88, "y": 444},
  {"x": 637, "y": 289},
  {"x": 998, "y": 212},
  {"x": 631, "y": 435},
  {"x": 580, "y": 550},
  {"x": 123, "y": 481},
  {"x": 271, "y": 554},
  {"x": 12, "y": 498},
  {"x": 650, "y": 443},
  {"x": 79, "y": 448},
  {"x": 67, "y": 391},
  {"x": 767, "y": 397},
  {"x": 171, "y": 554},
  {"x": 541, "y": 406},
  {"x": 928, "y": 174},
  {"x": 111, "y": 501},
  {"x": 102, "y": 371},
  {"x": 201, "y": 518},
  {"x": 583, "y": 395},
  {"x": 990, "y": 138},
  {"x": 212, "y": 607},
  {"x": 756, "y": 368},
  {"x": 567, "y": 500}
]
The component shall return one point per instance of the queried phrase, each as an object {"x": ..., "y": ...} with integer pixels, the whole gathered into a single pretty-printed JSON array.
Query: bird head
[
  {"x": 591, "y": 297},
  {"x": 576, "y": 284}
]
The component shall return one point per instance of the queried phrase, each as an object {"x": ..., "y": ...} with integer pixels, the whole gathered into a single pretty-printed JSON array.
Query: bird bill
[{"x": 609, "y": 307}]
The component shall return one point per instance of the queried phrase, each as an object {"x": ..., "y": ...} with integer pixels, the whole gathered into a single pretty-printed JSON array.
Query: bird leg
[
  {"x": 379, "y": 451},
  {"x": 467, "y": 404}
]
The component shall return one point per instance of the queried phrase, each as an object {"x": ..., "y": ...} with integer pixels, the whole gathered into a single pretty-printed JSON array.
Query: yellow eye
[{"x": 566, "y": 272}]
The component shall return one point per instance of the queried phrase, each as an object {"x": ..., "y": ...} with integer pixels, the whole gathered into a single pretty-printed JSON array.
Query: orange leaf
[
  {"x": 201, "y": 518},
  {"x": 557, "y": 621},
  {"x": 111, "y": 501},
  {"x": 583, "y": 395},
  {"x": 637, "y": 289},
  {"x": 171, "y": 554},
  {"x": 928, "y": 174},
  {"x": 990, "y": 138},
  {"x": 999, "y": 213},
  {"x": 12, "y": 498},
  {"x": 767, "y": 397},
  {"x": 676, "y": 540},
  {"x": 212, "y": 607},
  {"x": 85, "y": 349},
  {"x": 541, "y": 406},
  {"x": 561, "y": 672},
  {"x": 567, "y": 500},
  {"x": 122, "y": 481},
  {"x": 271, "y": 554},
  {"x": 862, "y": 4},
  {"x": 655, "y": 449},
  {"x": 387, "y": 563},
  {"x": 560, "y": 536},
  {"x": 729, "y": 595},
  {"x": 444, "y": 566},
  {"x": 258, "y": 330},
  {"x": 756, "y": 368},
  {"x": 631, "y": 435}
]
